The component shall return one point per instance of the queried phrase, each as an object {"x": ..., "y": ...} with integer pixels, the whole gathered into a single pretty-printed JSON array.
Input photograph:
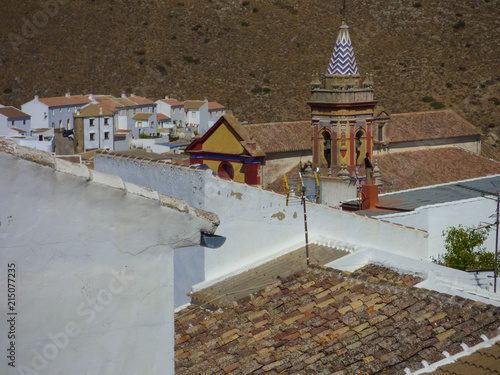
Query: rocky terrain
[{"x": 255, "y": 56}]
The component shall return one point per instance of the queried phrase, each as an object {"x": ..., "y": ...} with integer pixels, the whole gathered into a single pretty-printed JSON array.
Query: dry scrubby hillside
[{"x": 257, "y": 56}]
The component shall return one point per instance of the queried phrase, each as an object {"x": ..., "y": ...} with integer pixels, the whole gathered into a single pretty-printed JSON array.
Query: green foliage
[
  {"x": 7, "y": 91},
  {"x": 266, "y": 90},
  {"x": 191, "y": 59},
  {"x": 491, "y": 125},
  {"x": 449, "y": 85},
  {"x": 143, "y": 136},
  {"x": 256, "y": 90},
  {"x": 494, "y": 101},
  {"x": 245, "y": 3},
  {"x": 245, "y": 24},
  {"x": 460, "y": 243},
  {"x": 459, "y": 25},
  {"x": 428, "y": 99},
  {"x": 255, "y": 10},
  {"x": 417, "y": 5},
  {"x": 437, "y": 105},
  {"x": 161, "y": 68},
  {"x": 173, "y": 137},
  {"x": 140, "y": 52}
]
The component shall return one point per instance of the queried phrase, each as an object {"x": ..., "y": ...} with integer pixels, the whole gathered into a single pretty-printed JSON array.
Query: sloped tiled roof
[
  {"x": 173, "y": 102},
  {"x": 139, "y": 100},
  {"x": 428, "y": 125},
  {"x": 162, "y": 117},
  {"x": 323, "y": 321},
  {"x": 483, "y": 362},
  {"x": 59, "y": 101},
  {"x": 125, "y": 102},
  {"x": 412, "y": 169},
  {"x": 193, "y": 104},
  {"x": 281, "y": 136},
  {"x": 12, "y": 112},
  {"x": 212, "y": 106},
  {"x": 142, "y": 116},
  {"x": 343, "y": 61},
  {"x": 110, "y": 104},
  {"x": 93, "y": 110}
]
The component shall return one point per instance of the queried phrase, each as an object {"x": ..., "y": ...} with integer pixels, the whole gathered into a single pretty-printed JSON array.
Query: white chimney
[
  {"x": 100, "y": 110},
  {"x": 36, "y": 97},
  {"x": 166, "y": 96},
  {"x": 68, "y": 95},
  {"x": 124, "y": 95}
]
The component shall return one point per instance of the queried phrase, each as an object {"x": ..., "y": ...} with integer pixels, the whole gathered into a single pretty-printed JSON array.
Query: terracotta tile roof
[
  {"x": 281, "y": 136},
  {"x": 412, "y": 169},
  {"x": 323, "y": 321},
  {"x": 193, "y": 104},
  {"x": 125, "y": 102},
  {"x": 173, "y": 102},
  {"x": 142, "y": 116},
  {"x": 484, "y": 362},
  {"x": 60, "y": 101},
  {"x": 110, "y": 104},
  {"x": 140, "y": 100},
  {"x": 93, "y": 110},
  {"x": 162, "y": 117},
  {"x": 428, "y": 125},
  {"x": 12, "y": 112},
  {"x": 212, "y": 106}
]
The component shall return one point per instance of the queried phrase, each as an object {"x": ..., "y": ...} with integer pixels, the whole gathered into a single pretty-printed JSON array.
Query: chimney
[
  {"x": 369, "y": 197},
  {"x": 92, "y": 98},
  {"x": 124, "y": 95},
  {"x": 68, "y": 95},
  {"x": 100, "y": 110},
  {"x": 166, "y": 96},
  {"x": 36, "y": 97}
]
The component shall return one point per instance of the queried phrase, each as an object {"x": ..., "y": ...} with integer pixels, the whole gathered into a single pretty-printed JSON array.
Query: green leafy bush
[
  {"x": 459, "y": 25},
  {"x": 191, "y": 60},
  {"x": 417, "y": 5},
  {"x": 428, "y": 99},
  {"x": 437, "y": 105},
  {"x": 494, "y": 101},
  {"x": 460, "y": 254}
]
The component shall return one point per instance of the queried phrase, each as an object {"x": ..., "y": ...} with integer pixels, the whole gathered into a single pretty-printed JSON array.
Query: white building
[
  {"x": 91, "y": 257},
  {"x": 94, "y": 128},
  {"x": 54, "y": 112}
]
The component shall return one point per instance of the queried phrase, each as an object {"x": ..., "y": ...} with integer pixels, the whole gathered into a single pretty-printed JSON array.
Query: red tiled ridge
[{"x": 324, "y": 321}]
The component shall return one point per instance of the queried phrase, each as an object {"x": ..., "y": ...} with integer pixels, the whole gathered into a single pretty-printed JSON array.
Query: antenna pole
[
  {"x": 305, "y": 222},
  {"x": 342, "y": 10}
]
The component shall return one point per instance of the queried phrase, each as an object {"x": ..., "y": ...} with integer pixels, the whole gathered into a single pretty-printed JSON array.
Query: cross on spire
[{"x": 342, "y": 10}]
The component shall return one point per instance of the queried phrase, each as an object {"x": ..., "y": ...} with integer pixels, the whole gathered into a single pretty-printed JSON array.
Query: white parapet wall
[
  {"x": 86, "y": 265},
  {"x": 257, "y": 223}
]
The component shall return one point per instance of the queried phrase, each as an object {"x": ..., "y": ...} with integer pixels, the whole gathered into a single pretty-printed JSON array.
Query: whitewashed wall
[
  {"x": 93, "y": 270},
  {"x": 437, "y": 218},
  {"x": 257, "y": 223}
]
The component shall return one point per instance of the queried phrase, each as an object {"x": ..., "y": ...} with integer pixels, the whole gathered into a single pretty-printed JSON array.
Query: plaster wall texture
[
  {"x": 257, "y": 223},
  {"x": 436, "y": 218},
  {"x": 47, "y": 146},
  {"x": 334, "y": 190},
  {"x": 93, "y": 284}
]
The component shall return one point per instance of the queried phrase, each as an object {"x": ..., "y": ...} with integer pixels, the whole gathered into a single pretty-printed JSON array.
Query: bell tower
[{"x": 342, "y": 105}]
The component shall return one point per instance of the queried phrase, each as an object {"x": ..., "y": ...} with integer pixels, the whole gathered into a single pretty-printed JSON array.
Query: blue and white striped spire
[{"x": 343, "y": 61}]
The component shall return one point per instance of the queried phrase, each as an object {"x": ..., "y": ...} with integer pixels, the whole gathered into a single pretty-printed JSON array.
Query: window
[
  {"x": 60, "y": 110},
  {"x": 138, "y": 124},
  {"x": 127, "y": 111},
  {"x": 60, "y": 123},
  {"x": 152, "y": 124},
  {"x": 106, "y": 121},
  {"x": 174, "y": 111},
  {"x": 67, "y": 124},
  {"x": 53, "y": 111},
  {"x": 24, "y": 122},
  {"x": 68, "y": 109},
  {"x": 106, "y": 135},
  {"x": 135, "y": 111},
  {"x": 92, "y": 136},
  {"x": 380, "y": 133},
  {"x": 91, "y": 122}
]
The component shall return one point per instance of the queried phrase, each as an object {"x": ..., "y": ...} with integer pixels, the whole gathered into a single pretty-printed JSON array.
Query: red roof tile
[
  {"x": 281, "y": 136},
  {"x": 59, "y": 101},
  {"x": 412, "y": 169},
  {"x": 173, "y": 102},
  {"x": 140, "y": 100},
  {"x": 212, "y": 106},
  {"x": 324, "y": 321},
  {"x": 12, "y": 112},
  {"x": 428, "y": 125},
  {"x": 162, "y": 117}
]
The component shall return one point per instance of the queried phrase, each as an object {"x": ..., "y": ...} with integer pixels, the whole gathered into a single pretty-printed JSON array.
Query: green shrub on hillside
[
  {"x": 459, "y": 25},
  {"x": 437, "y": 105},
  {"x": 428, "y": 99}
]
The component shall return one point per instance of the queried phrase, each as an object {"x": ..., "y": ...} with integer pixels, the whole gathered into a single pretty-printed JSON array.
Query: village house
[
  {"x": 77, "y": 262},
  {"x": 191, "y": 117},
  {"x": 54, "y": 112},
  {"x": 93, "y": 128}
]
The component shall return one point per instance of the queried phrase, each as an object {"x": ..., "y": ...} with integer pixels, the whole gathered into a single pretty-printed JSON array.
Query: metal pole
[{"x": 305, "y": 223}]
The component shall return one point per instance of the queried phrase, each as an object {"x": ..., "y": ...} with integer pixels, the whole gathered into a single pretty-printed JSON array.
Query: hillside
[{"x": 255, "y": 56}]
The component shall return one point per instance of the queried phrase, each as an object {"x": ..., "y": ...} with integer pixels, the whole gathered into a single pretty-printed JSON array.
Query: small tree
[{"x": 464, "y": 250}]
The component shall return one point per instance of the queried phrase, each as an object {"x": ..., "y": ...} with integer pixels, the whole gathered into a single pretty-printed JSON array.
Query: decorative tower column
[{"x": 342, "y": 111}]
